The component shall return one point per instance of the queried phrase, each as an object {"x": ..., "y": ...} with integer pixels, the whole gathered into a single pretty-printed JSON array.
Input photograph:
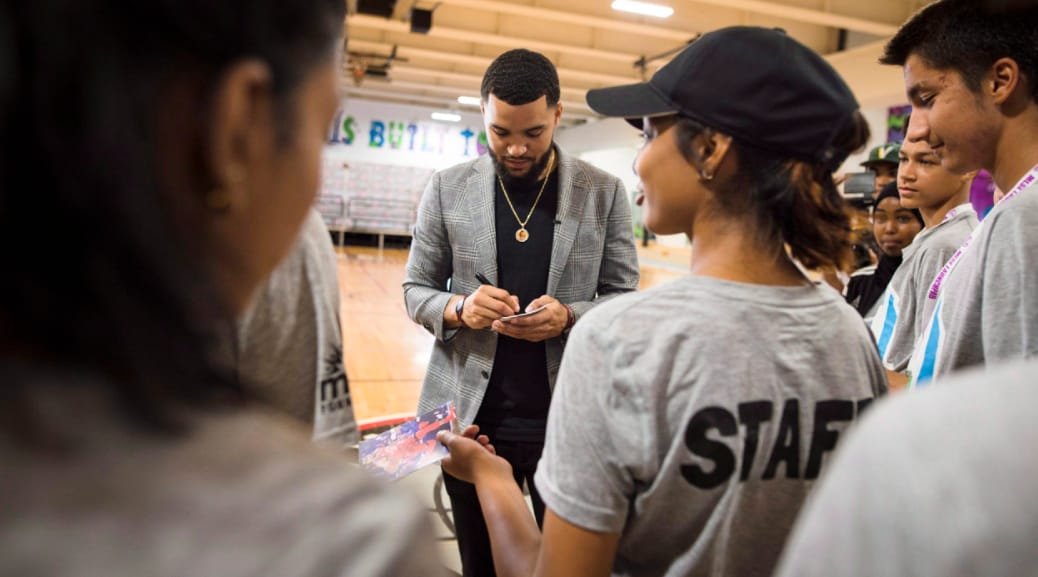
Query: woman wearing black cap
[
  {"x": 894, "y": 227},
  {"x": 690, "y": 419}
]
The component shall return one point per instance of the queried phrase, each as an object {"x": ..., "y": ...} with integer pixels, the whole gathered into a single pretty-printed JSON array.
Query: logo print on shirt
[{"x": 704, "y": 428}]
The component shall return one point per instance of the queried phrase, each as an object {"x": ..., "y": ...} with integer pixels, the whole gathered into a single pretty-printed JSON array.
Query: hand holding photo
[
  {"x": 526, "y": 314},
  {"x": 408, "y": 447}
]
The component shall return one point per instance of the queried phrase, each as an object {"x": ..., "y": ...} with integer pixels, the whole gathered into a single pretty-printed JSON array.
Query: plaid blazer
[{"x": 593, "y": 258}]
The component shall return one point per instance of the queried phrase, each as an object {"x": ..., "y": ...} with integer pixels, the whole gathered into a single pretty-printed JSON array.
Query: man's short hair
[
  {"x": 968, "y": 36},
  {"x": 521, "y": 76}
]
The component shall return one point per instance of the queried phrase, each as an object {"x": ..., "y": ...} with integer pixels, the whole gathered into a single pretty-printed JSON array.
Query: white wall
[
  {"x": 874, "y": 84},
  {"x": 607, "y": 133},
  {"x": 877, "y": 88},
  {"x": 617, "y": 161},
  {"x": 877, "y": 119}
]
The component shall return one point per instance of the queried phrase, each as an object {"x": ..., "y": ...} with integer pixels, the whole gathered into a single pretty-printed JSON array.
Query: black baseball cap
[{"x": 757, "y": 85}]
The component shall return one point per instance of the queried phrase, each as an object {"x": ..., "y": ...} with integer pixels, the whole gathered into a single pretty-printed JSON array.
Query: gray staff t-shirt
[
  {"x": 986, "y": 310},
  {"x": 692, "y": 418},
  {"x": 904, "y": 308}
]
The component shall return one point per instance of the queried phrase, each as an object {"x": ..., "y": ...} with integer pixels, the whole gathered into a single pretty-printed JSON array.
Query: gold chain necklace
[{"x": 522, "y": 235}]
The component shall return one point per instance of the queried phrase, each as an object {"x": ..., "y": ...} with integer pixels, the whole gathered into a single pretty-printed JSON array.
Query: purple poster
[
  {"x": 897, "y": 122},
  {"x": 982, "y": 193}
]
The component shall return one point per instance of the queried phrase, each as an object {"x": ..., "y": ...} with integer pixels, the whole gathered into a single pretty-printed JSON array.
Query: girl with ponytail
[{"x": 689, "y": 420}]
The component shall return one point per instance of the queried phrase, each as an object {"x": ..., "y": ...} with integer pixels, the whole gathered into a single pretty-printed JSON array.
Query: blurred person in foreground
[
  {"x": 927, "y": 485},
  {"x": 159, "y": 139}
]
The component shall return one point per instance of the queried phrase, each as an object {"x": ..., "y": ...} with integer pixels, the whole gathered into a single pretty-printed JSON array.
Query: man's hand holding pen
[{"x": 488, "y": 305}]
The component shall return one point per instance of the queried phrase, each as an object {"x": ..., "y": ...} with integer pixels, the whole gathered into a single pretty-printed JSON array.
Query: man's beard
[{"x": 526, "y": 181}]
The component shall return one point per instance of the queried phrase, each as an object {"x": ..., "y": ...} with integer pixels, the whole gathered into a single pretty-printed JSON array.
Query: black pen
[{"x": 482, "y": 279}]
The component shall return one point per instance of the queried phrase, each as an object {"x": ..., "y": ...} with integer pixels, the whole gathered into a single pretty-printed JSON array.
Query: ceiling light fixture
[
  {"x": 446, "y": 116},
  {"x": 643, "y": 8},
  {"x": 469, "y": 100}
]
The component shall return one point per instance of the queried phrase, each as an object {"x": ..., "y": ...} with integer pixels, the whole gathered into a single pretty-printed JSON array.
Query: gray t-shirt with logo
[
  {"x": 904, "y": 308},
  {"x": 692, "y": 418},
  {"x": 934, "y": 484},
  {"x": 287, "y": 347},
  {"x": 986, "y": 310}
]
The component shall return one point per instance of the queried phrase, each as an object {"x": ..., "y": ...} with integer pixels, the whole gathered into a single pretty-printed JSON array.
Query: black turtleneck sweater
[{"x": 516, "y": 402}]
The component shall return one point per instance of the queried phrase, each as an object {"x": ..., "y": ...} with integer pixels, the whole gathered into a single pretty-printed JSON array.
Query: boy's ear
[{"x": 1004, "y": 79}]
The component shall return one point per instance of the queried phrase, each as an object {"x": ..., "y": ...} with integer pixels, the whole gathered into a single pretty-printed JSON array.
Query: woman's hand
[{"x": 472, "y": 456}]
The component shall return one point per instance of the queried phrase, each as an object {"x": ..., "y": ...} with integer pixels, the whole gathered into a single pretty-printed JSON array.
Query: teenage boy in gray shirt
[
  {"x": 972, "y": 77},
  {"x": 943, "y": 200}
]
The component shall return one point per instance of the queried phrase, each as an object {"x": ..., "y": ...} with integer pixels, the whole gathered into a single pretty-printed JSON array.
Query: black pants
[{"x": 469, "y": 525}]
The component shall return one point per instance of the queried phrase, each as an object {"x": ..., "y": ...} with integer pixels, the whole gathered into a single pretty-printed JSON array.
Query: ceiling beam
[
  {"x": 366, "y": 21},
  {"x": 483, "y": 62},
  {"x": 376, "y": 94},
  {"x": 819, "y": 17},
  {"x": 456, "y": 91},
  {"x": 574, "y": 93},
  {"x": 525, "y": 10},
  {"x": 807, "y": 15},
  {"x": 576, "y": 107},
  {"x": 433, "y": 103}
]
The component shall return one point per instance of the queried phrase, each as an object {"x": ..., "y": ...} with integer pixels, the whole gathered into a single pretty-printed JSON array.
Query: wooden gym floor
[{"x": 386, "y": 354}]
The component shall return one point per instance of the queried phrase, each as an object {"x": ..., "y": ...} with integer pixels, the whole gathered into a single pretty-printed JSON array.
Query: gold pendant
[{"x": 521, "y": 235}]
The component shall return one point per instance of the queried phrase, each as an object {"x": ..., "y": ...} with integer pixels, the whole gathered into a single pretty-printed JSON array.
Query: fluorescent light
[
  {"x": 469, "y": 100},
  {"x": 645, "y": 8},
  {"x": 446, "y": 116}
]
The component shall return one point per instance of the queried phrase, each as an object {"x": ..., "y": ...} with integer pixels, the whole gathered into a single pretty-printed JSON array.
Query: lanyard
[
  {"x": 935, "y": 288},
  {"x": 955, "y": 211},
  {"x": 926, "y": 232}
]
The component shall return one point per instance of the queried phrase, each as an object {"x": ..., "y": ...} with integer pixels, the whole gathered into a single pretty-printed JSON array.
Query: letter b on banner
[{"x": 378, "y": 134}]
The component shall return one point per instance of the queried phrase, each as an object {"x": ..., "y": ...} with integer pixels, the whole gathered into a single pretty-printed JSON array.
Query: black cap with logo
[{"x": 757, "y": 85}]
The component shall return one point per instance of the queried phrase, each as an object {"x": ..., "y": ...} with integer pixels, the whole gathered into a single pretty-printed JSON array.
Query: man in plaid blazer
[{"x": 525, "y": 227}]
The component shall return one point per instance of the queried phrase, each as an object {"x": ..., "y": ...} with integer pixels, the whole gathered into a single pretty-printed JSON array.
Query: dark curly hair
[
  {"x": 969, "y": 36},
  {"x": 521, "y": 76}
]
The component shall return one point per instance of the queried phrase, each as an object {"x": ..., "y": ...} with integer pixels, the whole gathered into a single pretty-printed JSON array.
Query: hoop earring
[{"x": 706, "y": 176}]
